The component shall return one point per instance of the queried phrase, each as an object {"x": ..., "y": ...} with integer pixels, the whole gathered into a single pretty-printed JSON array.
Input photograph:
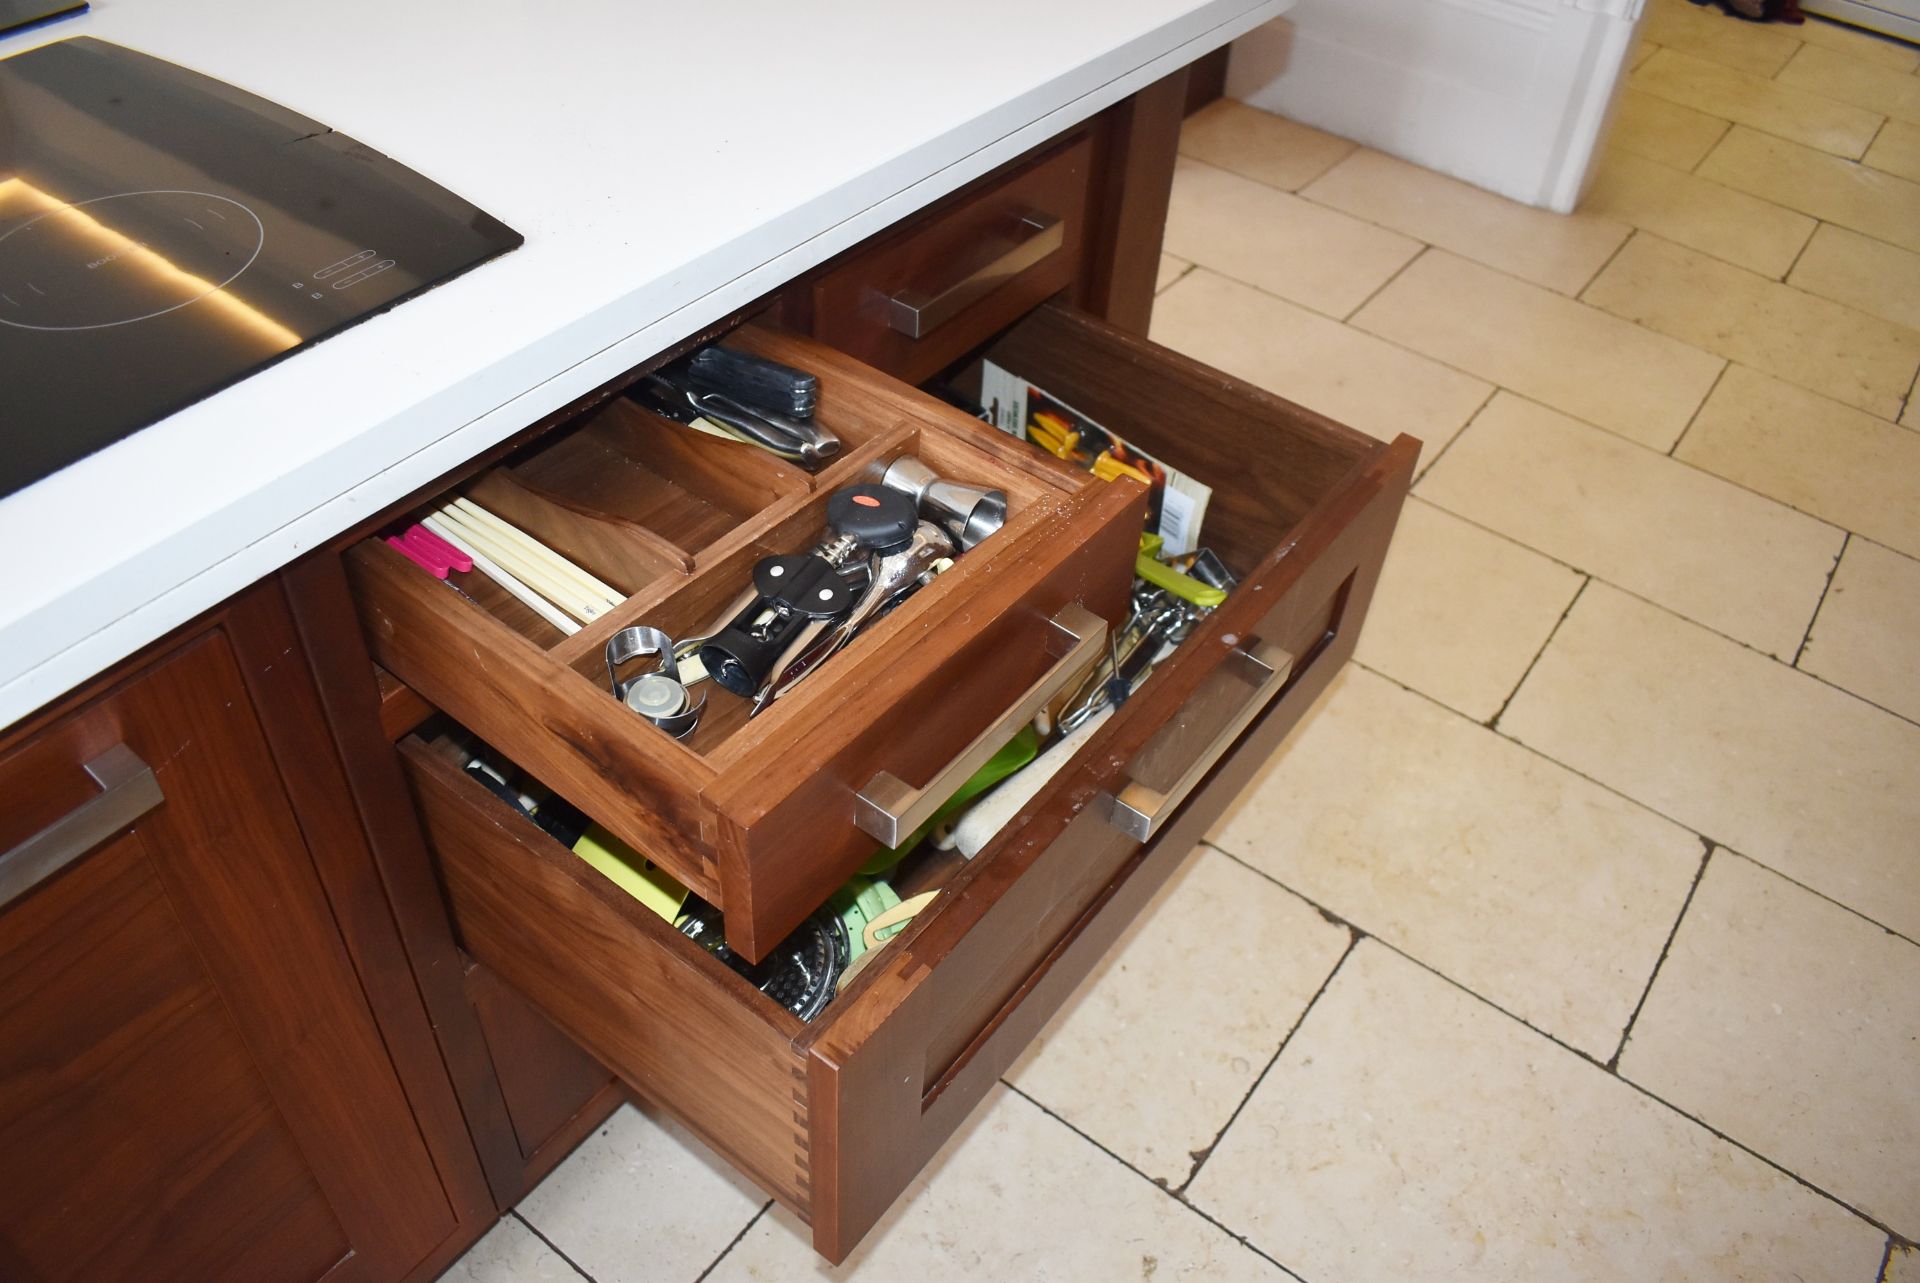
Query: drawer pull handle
[
  {"x": 127, "y": 792},
  {"x": 1139, "y": 811},
  {"x": 916, "y": 314},
  {"x": 888, "y": 809}
]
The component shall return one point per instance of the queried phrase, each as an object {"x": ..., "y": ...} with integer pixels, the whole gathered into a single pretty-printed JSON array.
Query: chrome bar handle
[
  {"x": 917, "y": 314},
  {"x": 127, "y": 792},
  {"x": 889, "y": 810},
  {"x": 1139, "y": 811}
]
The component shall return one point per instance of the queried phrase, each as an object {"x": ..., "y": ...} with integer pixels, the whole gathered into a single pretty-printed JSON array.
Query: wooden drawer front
[
  {"x": 685, "y": 1032},
  {"x": 914, "y": 304},
  {"x": 836, "y": 1117},
  {"x": 760, "y": 817},
  {"x": 966, "y": 990}
]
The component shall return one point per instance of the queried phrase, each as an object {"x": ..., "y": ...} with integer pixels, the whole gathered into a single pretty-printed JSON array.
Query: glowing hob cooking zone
[{"x": 163, "y": 235}]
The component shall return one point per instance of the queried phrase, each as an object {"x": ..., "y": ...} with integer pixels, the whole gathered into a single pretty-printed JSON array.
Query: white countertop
[{"x": 667, "y": 162}]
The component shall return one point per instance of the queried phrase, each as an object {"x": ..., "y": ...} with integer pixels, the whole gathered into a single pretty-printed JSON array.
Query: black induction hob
[{"x": 163, "y": 235}]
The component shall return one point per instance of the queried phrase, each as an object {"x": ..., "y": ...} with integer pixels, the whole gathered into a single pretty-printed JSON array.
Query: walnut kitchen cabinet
[{"x": 213, "y": 1062}]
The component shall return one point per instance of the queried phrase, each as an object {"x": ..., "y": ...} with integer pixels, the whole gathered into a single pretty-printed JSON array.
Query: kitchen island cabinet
[
  {"x": 328, "y": 1009},
  {"x": 213, "y": 1063}
]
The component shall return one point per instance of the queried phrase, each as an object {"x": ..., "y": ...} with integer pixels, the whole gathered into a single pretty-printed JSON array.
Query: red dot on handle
[{"x": 866, "y": 501}]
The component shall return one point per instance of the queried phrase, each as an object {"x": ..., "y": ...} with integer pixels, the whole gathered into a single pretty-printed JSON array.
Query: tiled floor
[{"x": 1574, "y": 935}]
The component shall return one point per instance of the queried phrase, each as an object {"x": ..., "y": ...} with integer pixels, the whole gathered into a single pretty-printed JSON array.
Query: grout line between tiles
[
  {"x": 1846, "y": 537},
  {"x": 1764, "y": 867},
  {"x": 1805, "y": 245},
  {"x": 733, "y": 1242},
  {"x": 1441, "y": 453},
  {"x": 1493, "y": 723},
  {"x": 1379, "y": 338},
  {"x": 1632, "y": 229},
  {"x": 1860, "y": 313},
  {"x": 553, "y": 1246},
  {"x": 1200, "y": 1157},
  {"x": 1354, "y": 311},
  {"x": 1886, "y": 1261},
  {"x": 1301, "y": 190},
  {"x": 1820, "y": 605},
  {"x": 1625, "y": 796},
  {"x": 1694, "y": 418},
  {"x": 1626, "y": 1033},
  {"x": 1204, "y": 1215},
  {"x": 1758, "y": 129},
  {"x": 1726, "y": 127},
  {"x": 1568, "y": 1047},
  {"x": 1180, "y": 276}
]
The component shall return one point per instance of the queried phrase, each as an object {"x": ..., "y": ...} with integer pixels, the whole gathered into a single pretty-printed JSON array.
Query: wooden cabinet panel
[{"x": 192, "y": 1084}]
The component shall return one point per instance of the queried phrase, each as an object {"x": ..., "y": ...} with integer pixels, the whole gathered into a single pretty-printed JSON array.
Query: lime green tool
[{"x": 1148, "y": 566}]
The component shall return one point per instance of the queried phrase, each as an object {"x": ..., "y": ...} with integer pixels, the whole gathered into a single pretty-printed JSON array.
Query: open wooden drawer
[
  {"x": 762, "y": 817},
  {"x": 834, "y": 1118}
]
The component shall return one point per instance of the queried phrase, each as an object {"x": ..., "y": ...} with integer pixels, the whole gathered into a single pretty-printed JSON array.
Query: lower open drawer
[{"x": 834, "y": 1118}]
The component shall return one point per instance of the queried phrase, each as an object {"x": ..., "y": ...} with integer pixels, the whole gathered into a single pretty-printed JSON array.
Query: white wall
[{"x": 1511, "y": 95}]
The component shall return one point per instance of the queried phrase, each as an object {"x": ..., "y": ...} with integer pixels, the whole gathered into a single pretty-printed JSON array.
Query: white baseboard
[
  {"x": 1511, "y": 95},
  {"x": 1889, "y": 17}
]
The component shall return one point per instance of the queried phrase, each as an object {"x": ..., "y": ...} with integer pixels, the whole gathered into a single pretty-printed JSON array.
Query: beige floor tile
[
  {"x": 1863, "y": 273},
  {"x": 1722, "y": 556},
  {"x": 1852, "y": 469},
  {"x": 1878, "y": 50},
  {"x": 1868, "y": 632},
  {"x": 1364, "y": 382},
  {"x": 1867, "y": 200},
  {"x": 1410, "y": 1133},
  {"x": 1315, "y": 256},
  {"x": 1824, "y": 346},
  {"x": 641, "y": 1200},
  {"x": 1664, "y": 131},
  {"x": 1558, "y": 251},
  {"x": 1539, "y": 890},
  {"x": 1574, "y": 357},
  {"x": 1897, "y": 150},
  {"x": 1171, "y": 270},
  {"x": 1460, "y": 612},
  {"x": 1272, "y": 149},
  {"x": 1708, "y": 33},
  {"x": 1790, "y": 1025},
  {"x": 1880, "y": 90},
  {"x": 1015, "y": 1196},
  {"x": 1196, "y": 999},
  {"x": 1806, "y": 779},
  {"x": 511, "y": 1253},
  {"x": 1903, "y": 1266},
  {"x": 1808, "y": 118},
  {"x": 1730, "y": 225}
]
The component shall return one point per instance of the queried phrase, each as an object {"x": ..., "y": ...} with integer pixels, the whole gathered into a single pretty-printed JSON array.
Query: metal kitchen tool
[
  {"x": 759, "y": 382},
  {"x": 968, "y": 513},
  {"x": 893, "y": 574},
  {"x": 795, "y": 598},
  {"x": 796, "y": 440},
  {"x": 659, "y": 696}
]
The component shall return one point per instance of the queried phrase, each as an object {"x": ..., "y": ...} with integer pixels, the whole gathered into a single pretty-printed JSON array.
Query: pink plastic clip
[
  {"x": 400, "y": 545},
  {"x": 438, "y": 548}
]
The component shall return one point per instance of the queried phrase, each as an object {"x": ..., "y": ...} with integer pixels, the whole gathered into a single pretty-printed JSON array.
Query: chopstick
[
  {"x": 486, "y": 566},
  {"x": 539, "y": 567},
  {"x": 605, "y": 594}
]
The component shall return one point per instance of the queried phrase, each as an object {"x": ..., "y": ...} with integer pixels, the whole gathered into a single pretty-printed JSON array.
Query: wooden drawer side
[
  {"x": 683, "y": 1031},
  {"x": 895, "y": 1073}
]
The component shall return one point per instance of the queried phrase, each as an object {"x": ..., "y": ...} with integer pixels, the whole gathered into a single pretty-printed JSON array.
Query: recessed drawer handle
[
  {"x": 1139, "y": 811},
  {"x": 127, "y": 792},
  {"x": 888, "y": 809},
  {"x": 917, "y": 314}
]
